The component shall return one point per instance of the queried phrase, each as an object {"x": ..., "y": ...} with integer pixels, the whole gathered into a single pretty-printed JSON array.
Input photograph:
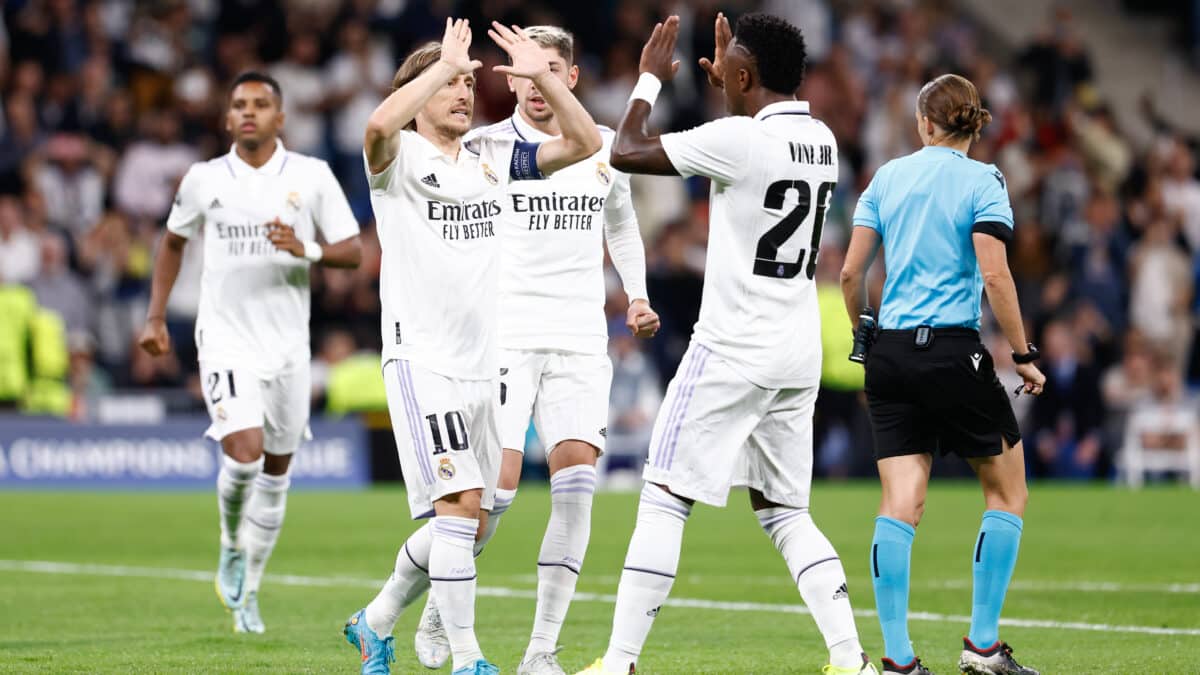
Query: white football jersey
[
  {"x": 772, "y": 176},
  {"x": 438, "y": 222},
  {"x": 552, "y": 249},
  {"x": 254, "y": 298}
]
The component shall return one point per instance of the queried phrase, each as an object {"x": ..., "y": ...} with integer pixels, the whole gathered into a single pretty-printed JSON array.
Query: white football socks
[
  {"x": 818, "y": 573},
  {"x": 452, "y": 575},
  {"x": 262, "y": 523},
  {"x": 561, "y": 556},
  {"x": 409, "y": 580},
  {"x": 650, "y": 567},
  {"x": 234, "y": 484}
]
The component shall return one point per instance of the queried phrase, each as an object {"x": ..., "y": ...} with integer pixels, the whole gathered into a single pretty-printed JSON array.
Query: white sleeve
[
  {"x": 187, "y": 214},
  {"x": 333, "y": 215},
  {"x": 624, "y": 238},
  {"x": 716, "y": 150},
  {"x": 385, "y": 180}
]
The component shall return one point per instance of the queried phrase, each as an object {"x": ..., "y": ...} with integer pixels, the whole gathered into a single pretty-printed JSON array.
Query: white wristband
[
  {"x": 312, "y": 251},
  {"x": 647, "y": 88}
]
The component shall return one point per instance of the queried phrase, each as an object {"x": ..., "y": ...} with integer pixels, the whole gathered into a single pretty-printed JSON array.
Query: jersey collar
[
  {"x": 783, "y": 108},
  {"x": 273, "y": 167},
  {"x": 941, "y": 149},
  {"x": 526, "y": 131}
]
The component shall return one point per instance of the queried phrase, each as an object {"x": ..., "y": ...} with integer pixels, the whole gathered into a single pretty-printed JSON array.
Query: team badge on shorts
[
  {"x": 221, "y": 414},
  {"x": 446, "y": 469},
  {"x": 490, "y": 175},
  {"x": 602, "y": 173},
  {"x": 293, "y": 201}
]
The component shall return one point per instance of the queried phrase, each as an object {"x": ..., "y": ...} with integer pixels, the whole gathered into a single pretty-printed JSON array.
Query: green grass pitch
[{"x": 1091, "y": 556}]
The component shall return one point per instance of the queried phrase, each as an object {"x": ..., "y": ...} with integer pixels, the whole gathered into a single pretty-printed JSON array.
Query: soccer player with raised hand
[
  {"x": 553, "y": 338},
  {"x": 438, "y": 202},
  {"x": 739, "y": 410},
  {"x": 259, "y": 208}
]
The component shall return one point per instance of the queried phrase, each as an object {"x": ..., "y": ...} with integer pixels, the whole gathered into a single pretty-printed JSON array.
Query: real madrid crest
[
  {"x": 293, "y": 201},
  {"x": 602, "y": 174},
  {"x": 221, "y": 414},
  {"x": 494, "y": 180},
  {"x": 445, "y": 469}
]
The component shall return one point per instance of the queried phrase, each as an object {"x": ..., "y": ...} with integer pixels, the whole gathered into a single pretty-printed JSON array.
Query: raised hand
[
  {"x": 716, "y": 68},
  {"x": 528, "y": 59},
  {"x": 456, "y": 43},
  {"x": 656, "y": 55}
]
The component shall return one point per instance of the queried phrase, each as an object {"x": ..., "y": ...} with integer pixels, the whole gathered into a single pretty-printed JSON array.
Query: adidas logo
[
  {"x": 841, "y": 592},
  {"x": 603, "y": 432},
  {"x": 431, "y": 181},
  {"x": 654, "y": 612},
  {"x": 216, "y": 203}
]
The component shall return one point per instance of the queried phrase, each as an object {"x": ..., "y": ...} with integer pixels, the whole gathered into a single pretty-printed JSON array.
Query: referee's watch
[{"x": 1028, "y": 357}]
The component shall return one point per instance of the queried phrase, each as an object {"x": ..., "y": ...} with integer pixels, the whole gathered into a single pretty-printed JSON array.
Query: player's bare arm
[
  {"x": 346, "y": 253},
  {"x": 580, "y": 137},
  {"x": 381, "y": 140},
  {"x": 1002, "y": 296},
  {"x": 154, "y": 338},
  {"x": 635, "y": 150},
  {"x": 864, "y": 244}
]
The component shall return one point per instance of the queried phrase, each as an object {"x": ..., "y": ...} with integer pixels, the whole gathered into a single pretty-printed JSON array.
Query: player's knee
[
  {"x": 906, "y": 506},
  {"x": 463, "y": 504},
  {"x": 244, "y": 446}
]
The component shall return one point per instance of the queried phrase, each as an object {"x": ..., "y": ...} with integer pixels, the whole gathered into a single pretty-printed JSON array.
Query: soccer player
[
  {"x": 553, "y": 339},
  {"x": 943, "y": 220},
  {"x": 259, "y": 208},
  {"x": 439, "y": 203},
  {"x": 739, "y": 410}
]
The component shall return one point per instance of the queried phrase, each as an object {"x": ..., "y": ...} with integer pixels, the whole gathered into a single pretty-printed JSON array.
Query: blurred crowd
[{"x": 107, "y": 102}]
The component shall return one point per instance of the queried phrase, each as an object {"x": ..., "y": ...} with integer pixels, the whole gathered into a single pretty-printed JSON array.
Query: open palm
[
  {"x": 528, "y": 59},
  {"x": 456, "y": 45}
]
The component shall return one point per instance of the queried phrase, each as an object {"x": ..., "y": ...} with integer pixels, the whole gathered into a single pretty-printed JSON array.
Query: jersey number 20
[{"x": 765, "y": 264}]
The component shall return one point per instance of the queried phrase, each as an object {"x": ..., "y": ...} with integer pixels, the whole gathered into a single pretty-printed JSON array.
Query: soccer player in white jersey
[
  {"x": 439, "y": 202},
  {"x": 739, "y": 410},
  {"x": 553, "y": 338},
  {"x": 259, "y": 208}
]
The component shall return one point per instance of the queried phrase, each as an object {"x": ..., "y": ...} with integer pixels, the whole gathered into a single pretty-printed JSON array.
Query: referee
[{"x": 943, "y": 220}]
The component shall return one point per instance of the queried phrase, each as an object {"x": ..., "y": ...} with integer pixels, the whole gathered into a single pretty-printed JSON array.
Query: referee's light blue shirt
[{"x": 925, "y": 207}]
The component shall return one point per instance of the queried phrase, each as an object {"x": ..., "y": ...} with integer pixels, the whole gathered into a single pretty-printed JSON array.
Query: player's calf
[{"x": 820, "y": 578}]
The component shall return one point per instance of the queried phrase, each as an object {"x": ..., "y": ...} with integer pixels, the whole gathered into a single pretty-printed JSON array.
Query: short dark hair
[
  {"x": 256, "y": 76},
  {"x": 778, "y": 50}
]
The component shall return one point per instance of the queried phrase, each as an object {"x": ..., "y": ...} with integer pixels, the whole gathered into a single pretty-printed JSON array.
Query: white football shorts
[
  {"x": 566, "y": 394},
  {"x": 237, "y": 399},
  {"x": 716, "y": 429},
  {"x": 446, "y": 434}
]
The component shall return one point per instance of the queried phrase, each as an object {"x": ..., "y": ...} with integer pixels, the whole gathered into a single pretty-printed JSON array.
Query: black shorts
[{"x": 943, "y": 399}]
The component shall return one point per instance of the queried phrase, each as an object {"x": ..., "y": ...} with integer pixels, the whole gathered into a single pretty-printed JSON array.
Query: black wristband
[{"x": 1028, "y": 357}]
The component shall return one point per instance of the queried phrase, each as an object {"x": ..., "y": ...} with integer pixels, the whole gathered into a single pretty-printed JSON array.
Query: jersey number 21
[{"x": 765, "y": 263}]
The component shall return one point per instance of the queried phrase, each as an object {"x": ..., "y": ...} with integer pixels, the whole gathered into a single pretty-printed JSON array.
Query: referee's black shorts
[{"x": 942, "y": 399}]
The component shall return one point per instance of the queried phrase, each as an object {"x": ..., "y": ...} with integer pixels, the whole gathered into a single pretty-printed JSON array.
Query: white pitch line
[
  {"x": 51, "y": 567},
  {"x": 1020, "y": 585}
]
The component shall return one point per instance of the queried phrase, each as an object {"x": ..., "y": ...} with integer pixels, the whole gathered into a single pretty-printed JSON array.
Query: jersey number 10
[{"x": 765, "y": 264}]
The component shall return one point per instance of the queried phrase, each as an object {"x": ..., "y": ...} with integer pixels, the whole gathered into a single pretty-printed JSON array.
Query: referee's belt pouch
[{"x": 923, "y": 337}]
